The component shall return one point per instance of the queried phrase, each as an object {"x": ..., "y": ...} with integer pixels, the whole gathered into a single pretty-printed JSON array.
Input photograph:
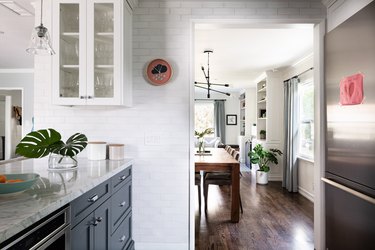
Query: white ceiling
[
  {"x": 242, "y": 53},
  {"x": 17, "y": 33}
]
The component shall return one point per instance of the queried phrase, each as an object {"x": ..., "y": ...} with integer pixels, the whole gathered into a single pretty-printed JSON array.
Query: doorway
[
  {"x": 10, "y": 122},
  {"x": 316, "y": 37}
]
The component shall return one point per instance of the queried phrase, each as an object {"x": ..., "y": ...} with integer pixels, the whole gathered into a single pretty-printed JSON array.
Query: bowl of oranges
[{"x": 13, "y": 183}]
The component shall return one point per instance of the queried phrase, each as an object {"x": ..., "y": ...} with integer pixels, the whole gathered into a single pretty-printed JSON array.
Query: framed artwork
[
  {"x": 158, "y": 72},
  {"x": 231, "y": 119}
]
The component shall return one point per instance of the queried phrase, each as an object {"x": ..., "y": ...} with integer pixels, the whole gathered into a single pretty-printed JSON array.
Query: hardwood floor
[{"x": 273, "y": 218}]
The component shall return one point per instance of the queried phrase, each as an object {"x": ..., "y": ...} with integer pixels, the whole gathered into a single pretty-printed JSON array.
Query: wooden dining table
[{"x": 219, "y": 160}]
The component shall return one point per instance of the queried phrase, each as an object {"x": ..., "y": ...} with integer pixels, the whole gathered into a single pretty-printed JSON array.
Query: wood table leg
[{"x": 235, "y": 210}]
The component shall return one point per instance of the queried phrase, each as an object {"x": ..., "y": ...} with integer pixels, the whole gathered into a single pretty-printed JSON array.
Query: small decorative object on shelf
[
  {"x": 262, "y": 134},
  {"x": 38, "y": 144},
  {"x": 200, "y": 136}
]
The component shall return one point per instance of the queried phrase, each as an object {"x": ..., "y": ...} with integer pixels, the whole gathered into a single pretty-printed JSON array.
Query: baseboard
[
  {"x": 306, "y": 194},
  {"x": 160, "y": 246},
  {"x": 275, "y": 177}
]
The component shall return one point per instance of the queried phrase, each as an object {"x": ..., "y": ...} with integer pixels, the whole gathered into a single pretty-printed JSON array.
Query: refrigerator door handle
[{"x": 349, "y": 190}]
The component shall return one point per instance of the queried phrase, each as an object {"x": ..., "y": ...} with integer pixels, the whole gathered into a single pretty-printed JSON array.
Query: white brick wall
[{"x": 161, "y": 30}]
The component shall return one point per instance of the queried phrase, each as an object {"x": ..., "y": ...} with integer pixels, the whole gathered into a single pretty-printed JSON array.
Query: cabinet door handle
[
  {"x": 93, "y": 199},
  {"x": 122, "y": 204},
  {"x": 122, "y": 238},
  {"x": 82, "y": 97},
  {"x": 97, "y": 220},
  {"x": 122, "y": 177},
  {"x": 90, "y": 97}
]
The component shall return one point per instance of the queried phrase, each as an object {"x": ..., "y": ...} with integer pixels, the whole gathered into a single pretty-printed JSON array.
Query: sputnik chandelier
[{"x": 207, "y": 76}]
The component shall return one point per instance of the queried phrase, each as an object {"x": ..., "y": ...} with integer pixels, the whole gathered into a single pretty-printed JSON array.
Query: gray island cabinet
[
  {"x": 101, "y": 218},
  {"x": 89, "y": 208}
]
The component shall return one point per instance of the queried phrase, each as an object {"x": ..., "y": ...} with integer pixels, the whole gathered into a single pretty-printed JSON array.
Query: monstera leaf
[
  {"x": 75, "y": 144},
  {"x": 40, "y": 143},
  {"x": 36, "y": 144}
]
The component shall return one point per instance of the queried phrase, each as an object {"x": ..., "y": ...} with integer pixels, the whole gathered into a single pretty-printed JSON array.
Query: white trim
[
  {"x": 275, "y": 177},
  {"x": 306, "y": 194},
  {"x": 25, "y": 70},
  {"x": 319, "y": 136},
  {"x": 158, "y": 246},
  {"x": 304, "y": 158}
]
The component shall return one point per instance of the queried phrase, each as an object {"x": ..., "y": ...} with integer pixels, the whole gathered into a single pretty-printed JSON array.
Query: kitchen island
[{"x": 56, "y": 189}]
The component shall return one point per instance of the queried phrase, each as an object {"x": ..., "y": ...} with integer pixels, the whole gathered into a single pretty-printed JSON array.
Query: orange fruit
[
  {"x": 15, "y": 180},
  {"x": 3, "y": 178}
]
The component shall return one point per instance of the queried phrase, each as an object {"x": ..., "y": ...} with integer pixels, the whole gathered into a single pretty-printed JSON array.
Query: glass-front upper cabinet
[{"x": 93, "y": 63}]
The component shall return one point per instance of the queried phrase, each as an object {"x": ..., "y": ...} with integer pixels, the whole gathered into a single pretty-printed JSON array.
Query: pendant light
[
  {"x": 40, "y": 39},
  {"x": 208, "y": 84}
]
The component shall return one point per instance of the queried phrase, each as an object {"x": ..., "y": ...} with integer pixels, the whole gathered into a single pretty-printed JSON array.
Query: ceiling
[
  {"x": 15, "y": 39},
  {"x": 241, "y": 52}
]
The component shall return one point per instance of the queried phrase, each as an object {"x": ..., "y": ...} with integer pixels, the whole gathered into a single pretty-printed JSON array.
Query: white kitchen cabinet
[{"x": 92, "y": 65}]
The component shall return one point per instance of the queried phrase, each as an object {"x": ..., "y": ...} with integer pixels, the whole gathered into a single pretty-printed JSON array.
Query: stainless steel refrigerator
[{"x": 350, "y": 133}]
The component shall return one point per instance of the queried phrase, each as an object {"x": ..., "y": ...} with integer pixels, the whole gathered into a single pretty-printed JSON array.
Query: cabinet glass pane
[
  {"x": 69, "y": 50},
  {"x": 103, "y": 50}
]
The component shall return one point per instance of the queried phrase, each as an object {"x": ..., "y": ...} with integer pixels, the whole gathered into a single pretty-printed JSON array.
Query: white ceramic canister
[
  {"x": 116, "y": 151},
  {"x": 96, "y": 150}
]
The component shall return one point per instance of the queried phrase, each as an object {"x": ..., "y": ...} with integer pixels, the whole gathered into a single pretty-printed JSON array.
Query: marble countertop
[{"x": 52, "y": 190}]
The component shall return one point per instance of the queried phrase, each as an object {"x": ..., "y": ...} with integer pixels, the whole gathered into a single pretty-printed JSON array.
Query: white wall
[
  {"x": 306, "y": 178},
  {"x": 161, "y": 173}
]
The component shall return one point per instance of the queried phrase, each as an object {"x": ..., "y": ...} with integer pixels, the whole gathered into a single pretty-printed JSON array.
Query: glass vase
[
  {"x": 201, "y": 145},
  {"x": 61, "y": 162}
]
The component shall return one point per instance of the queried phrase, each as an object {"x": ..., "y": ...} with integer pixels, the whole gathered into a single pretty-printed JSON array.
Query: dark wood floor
[{"x": 273, "y": 219}]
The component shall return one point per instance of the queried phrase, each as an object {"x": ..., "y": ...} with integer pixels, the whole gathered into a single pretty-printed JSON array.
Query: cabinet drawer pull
[
  {"x": 94, "y": 198},
  {"x": 123, "y": 177},
  {"x": 122, "y": 238},
  {"x": 97, "y": 220},
  {"x": 122, "y": 204}
]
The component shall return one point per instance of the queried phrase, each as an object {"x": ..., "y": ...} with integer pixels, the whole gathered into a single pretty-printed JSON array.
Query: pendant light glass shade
[
  {"x": 40, "y": 42},
  {"x": 40, "y": 39}
]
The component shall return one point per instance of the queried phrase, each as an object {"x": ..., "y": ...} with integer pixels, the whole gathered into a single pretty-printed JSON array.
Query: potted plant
[
  {"x": 200, "y": 136},
  {"x": 38, "y": 144},
  {"x": 263, "y": 158},
  {"x": 262, "y": 134}
]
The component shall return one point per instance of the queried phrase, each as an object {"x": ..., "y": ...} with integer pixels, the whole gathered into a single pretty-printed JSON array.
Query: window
[
  {"x": 306, "y": 119},
  {"x": 204, "y": 116}
]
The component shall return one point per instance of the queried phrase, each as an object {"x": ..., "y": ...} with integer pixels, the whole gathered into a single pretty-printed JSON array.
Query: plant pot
[
  {"x": 61, "y": 162},
  {"x": 262, "y": 177}
]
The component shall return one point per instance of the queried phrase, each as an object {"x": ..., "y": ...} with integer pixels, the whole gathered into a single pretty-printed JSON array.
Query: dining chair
[
  {"x": 231, "y": 150},
  {"x": 221, "y": 179},
  {"x": 228, "y": 148},
  {"x": 198, "y": 184}
]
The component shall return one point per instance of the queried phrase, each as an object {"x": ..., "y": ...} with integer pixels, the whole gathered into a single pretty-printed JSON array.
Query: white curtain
[{"x": 291, "y": 111}]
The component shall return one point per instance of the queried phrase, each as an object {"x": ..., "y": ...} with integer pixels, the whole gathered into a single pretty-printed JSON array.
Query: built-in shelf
[
  {"x": 262, "y": 118},
  {"x": 262, "y": 90},
  {"x": 71, "y": 34},
  {"x": 262, "y": 101}
]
